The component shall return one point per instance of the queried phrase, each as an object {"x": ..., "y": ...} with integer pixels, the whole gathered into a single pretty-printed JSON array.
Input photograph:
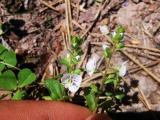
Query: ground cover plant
[{"x": 100, "y": 54}]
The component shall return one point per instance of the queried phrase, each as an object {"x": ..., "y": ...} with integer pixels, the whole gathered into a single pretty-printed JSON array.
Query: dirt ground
[{"x": 40, "y": 30}]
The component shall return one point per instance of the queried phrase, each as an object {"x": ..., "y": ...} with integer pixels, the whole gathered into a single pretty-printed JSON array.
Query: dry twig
[
  {"x": 55, "y": 3},
  {"x": 150, "y": 49},
  {"x": 68, "y": 19},
  {"x": 142, "y": 66},
  {"x": 49, "y": 6},
  {"x": 96, "y": 18},
  {"x": 137, "y": 68}
]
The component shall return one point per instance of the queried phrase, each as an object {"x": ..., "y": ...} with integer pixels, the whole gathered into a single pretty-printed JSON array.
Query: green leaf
[
  {"x": 107, "y": 52},
  {"x": 120, "y": 29},
  {"x": 1, "y": 30},
  {"x": 47, "y": 98},
  {"x": 119, "y": 46},
  {"x": 117, "y": 37},
  {"x": 113, "y": 75},
  {"x": 91, "y": 101},
  {"x": 8, "y": 81},
  {"x": 94, "y": 88},
  {"x": 77, "y": 71},
  {"x": 65, "y": 61},
  {"x": 119, "y": 96},
  {"x": 116, "y": 82},
  {"x": 55, "y": 88},
  {"x": 76, "y": 41},
  {"x": 9, "y": 57},
  {"x": 108, "y": 81},
  {"x": 2, "y": 66},
  {"x": 108, "y": 93},
  {"x": 74, "y": 61},
  {"x": 2, "y": 48},
  {"x": 18, "y": 95},
  {"x": 25, "y": 77}
]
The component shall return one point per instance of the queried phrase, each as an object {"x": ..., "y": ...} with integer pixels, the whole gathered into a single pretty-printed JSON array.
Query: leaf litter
[{"x": 140, "y": 19}]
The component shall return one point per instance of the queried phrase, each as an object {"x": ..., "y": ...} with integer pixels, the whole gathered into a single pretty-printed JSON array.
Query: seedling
[
  {"x": 70, "y": 61},
  {"x": 111, "y": 82}
]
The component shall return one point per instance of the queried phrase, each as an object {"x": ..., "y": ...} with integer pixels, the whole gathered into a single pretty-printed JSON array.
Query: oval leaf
[
  {"x": 2, "y": 48},
  {"x": 8, "y": 80},
  {"x": 91, "y": 101},
  {"x": 26, "y": 77},
  {"x": 55, "y": 89},
  {"x": 9, "y": 57}
]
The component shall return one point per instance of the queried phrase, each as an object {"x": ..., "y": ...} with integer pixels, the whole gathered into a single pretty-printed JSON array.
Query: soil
[{"x": 37, "y": 32}]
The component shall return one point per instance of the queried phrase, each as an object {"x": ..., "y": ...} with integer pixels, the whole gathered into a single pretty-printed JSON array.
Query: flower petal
[
  {"x": 104, "y": 29},
  {"x": 72, "y": 82},
  {"x": 104, "y": 46},
  {"x": 76, "y": 82},
  {"x": 66, "y": 81},
  {"x": 123, "y": 69},
  {"x": 92, "y": 64}
]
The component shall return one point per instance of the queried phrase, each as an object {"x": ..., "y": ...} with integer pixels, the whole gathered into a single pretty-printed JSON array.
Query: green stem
[{"x": 9, "y": 65}]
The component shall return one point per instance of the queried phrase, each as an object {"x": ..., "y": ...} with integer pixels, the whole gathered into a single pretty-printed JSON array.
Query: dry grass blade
[
  {"x": 55, "y": 3},
  {"x": 77, "y": 24},
  {"x": 50, "y": 60},
  {"x": 78, "y": 9},
  {"x": 68, "y": 20},
  {"x": 94, "y": 76},
  {"x": 145, "y": 99},
  {"x": 142, "y": 66},
  {"x": 147, "y": 103},
  {"x": 137, "y": 68},
  {"x": 49, "y": 6},
  {"x": 96, "y": 18},
  {"x": 150, "y": 49},
  {"x": 83, "y": 57}
]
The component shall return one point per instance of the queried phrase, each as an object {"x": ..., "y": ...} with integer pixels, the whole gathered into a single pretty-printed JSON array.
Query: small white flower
[
  {"x": 92, "y": 64},
  {"x": 72, "y": 82},
  {"x": 104, "y": 29},
  {"x": 104, "y": 46},
  {"x": 121, "y": 34},
  {"x": 26, "y": 2},
  {"x": 68, "y": 55},
  {"x": 123, "y": 69},
  {"x": 78, "y": 57},
  {"x": 113, "y": 34}
]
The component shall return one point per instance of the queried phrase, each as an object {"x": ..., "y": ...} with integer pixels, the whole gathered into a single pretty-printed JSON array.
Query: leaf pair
[
  {"x": 8, "y": 80},
  {"x": 76, "y": 41},
  {"x": 112, "y": 79},
  {"x": 117, "y": 37}
]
